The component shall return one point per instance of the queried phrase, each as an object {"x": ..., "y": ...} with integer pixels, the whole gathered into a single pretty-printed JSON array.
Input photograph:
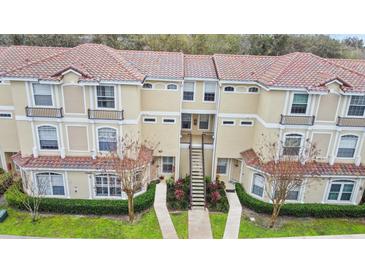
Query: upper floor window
[
  {"x": 172, "y": 87},
  {"x": 107, "y": 185},
  {"x": 186, "y": 121},
  {"x": 42, "y": 95},
  {"x": 105, "y": 96},
  {"x": 347, "y": 146},
  {"x": 341, "y": 190},
  {"x": 49, "y": 183},
  {"x": 253, "y": 90},
  {"x": 188, "y": 94},
  {"x": 292, "y": 144},
  {"x": 209, "y": 91},
  {"x": 357, "y": 106},
  {"x": 222, "y": 166},
  {"x": 107, "y": 139},
  {"x": 258, "y": 185},
  {"x": 300, "y": 104},
  {"x": 229, "y": 89},
  {"x": 204, "y": 121},
  {"x": 147, "y": 85},
  {"x": 48, "y": 137}
]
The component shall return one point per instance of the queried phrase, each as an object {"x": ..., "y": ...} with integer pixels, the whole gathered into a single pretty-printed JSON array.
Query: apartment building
[{"x": 62, "y": 109}]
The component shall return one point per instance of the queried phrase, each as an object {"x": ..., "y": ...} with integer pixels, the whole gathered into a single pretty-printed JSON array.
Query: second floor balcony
[
  {"x": 350, "y": 122},
  {"x": 43, "y": 112},
  {"x": 297, "y": 120},
  {"x": 106, "y": 114}
]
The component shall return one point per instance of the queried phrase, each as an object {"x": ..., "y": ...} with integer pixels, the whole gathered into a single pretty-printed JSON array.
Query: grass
[
  {"x": 218, "y": 223},
  {"x": 71, "y": 226},
  {"x": 302, "y": 227},
  {"x": 180, "y": 221}
]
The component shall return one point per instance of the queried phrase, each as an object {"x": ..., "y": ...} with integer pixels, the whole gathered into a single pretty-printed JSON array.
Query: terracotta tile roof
[
  {"x": 312, "y": 168},
  {"x": 199, "y": 66}
]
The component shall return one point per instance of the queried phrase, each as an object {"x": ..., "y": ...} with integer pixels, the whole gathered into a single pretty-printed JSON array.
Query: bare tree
[{"x": 284, "y": 164}]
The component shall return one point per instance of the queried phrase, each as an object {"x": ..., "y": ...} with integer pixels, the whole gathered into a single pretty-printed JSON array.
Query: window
[
  {"x": 49, "y": 183},
  {"x": 168, "y": 120},
  {"x": 107, "y": 139},
  {"x": 299, "y": 105},
  {"x": 341, "y": 190},
  {"x": 222, "y": 166},
  {"x": 204, "y": 121},
  {"x": 105, "y": 96},
  {"x": 258, "y": 185},
  {"x": 186, "y": 121},
  {"x": 229, "y": 89},
  {"x": 292, "y": 144},
  {"x": 228, "y": 123},
  {"x": 149, "y": 120},
  {"x": 347, "y": 146},
  {"x": 293, "y": 195},
  {"x": 209, "y": 91},
  {"x": 167, "y": 164},
  {"x": 42, "y": 95},
  {"x": 357, "y": 106},
  {"x": 246, "y": 123},
  {"x": 6, "y": 115},
  {"x": 253, "y": 90},
  {"x": 188, "y": 94},
  {"x": 48, "y": 137},
  {"x": 107, "y": 185},
  {"x": 172, "y": 87},
  {"x": 147, "y": 85}
]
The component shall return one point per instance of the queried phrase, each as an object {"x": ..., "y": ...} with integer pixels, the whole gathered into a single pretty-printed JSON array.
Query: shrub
[
  {"x": 301, "y": 210},
  {"x": 5, "y": 181},
  {"x": 178, "y": 194},
  {"x": 87, "y": 206},
  {"x": 216, "y": 197}
]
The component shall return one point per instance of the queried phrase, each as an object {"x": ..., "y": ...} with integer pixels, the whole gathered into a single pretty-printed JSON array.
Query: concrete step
[{"x": 197, "y": 207}]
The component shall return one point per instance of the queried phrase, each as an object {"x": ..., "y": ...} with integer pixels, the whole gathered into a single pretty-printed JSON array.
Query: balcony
[
  {"x": 297, "y": 120},
  {"x": 44, "y": 112},
  {"x": 350, "y": 122},
  {"x": 105, "y": 114},
  {"x": 197, "y": 138}
]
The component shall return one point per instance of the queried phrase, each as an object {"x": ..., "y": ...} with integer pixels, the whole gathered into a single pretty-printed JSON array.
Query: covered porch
[{"x": 199, "y": 126}]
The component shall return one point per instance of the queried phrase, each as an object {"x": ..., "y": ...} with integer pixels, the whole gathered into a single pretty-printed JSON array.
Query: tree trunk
[
  {"x": 275, "y": 213},
  {"x": 130, "y": 208}
]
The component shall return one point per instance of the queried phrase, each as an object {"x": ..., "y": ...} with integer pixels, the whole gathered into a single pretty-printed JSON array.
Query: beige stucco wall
[
  {"x": 18, "y": 90},
  {"x": 198, "y": 103},
  {"x": 77, "y": 137},
  {"x": 8, "y": 135},
  {"x": 25, "y": 137},
  {"x": 131, "y": 101},
  {"x": 322, "y": 141},
  {"x": 271, "y": 105},
  {"x": 73, "y": 98},
  {"x": 239, "y": 102},
  {"x": 78, "y": 184},
  {"x": 6, "y": 98},
  {"x": 327, "y": 110}
]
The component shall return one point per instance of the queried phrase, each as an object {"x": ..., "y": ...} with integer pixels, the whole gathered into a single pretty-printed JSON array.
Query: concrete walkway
[
  {"x": 199, "y": 224},
  {"x": 163, "y": 216},
  {"x": 234, "y": 214}
]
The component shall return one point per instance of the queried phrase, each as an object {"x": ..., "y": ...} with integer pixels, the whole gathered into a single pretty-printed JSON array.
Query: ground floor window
[
  {"x": 293, "y": 195},
  {"x": 258, "y": 185},
  {"x": 167, "y": 164},
  {"x": 222, "y": 166},
  {"x": 107, "y": 185},
  {"x": 341, "y": 190},
  {"x": 49, "y": 183}
]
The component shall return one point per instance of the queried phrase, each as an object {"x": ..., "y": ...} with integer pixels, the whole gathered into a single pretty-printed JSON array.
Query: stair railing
[
  {"x": 191, "y": 167},
  {"x": 203, "y": 164}
]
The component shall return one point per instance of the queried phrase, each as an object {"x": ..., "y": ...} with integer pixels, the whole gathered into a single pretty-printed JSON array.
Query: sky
[{"x": 343, "y": 36}]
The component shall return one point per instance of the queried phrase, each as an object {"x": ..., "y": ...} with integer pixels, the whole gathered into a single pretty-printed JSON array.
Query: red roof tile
[{"x": 199, "y": 66}]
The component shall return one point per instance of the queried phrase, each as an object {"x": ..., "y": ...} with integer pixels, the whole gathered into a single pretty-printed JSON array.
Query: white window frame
[
  {"x": 108, "y": 176},
  {"x": 199, "y": 122},
  {"x": 168, "y": 123},
  {"x": 227, "y": 166},
  {"x": 356, "y": 147},
  {"x": 228, "y": 125},
  {"x": 215, "y": 92},
  {"x": 225, "y": 91},
  {"x": 167, "y": 85},
  {"x": 149, "y": 122},
  {"x": 256, "y": 92},
  {"x": 191, "y": 121},
  {"x": 342, "y": 181},
  {"x": 115, "y": 97},
  {"x": 49, "y": 181},
  {"x": 6, "y": 113},
  {"x": 39, "y": 139},
  {"x": 194, "y": 91},
  {"x": 97, "y": 137},
  {"x": 147, "y": 88},
  {"x": 246, "y": 125},
  {"x": 349, "y": 105},
  {"x": 163, "y": 163},
  {"x": 301, "y": 142},
  {"x": 33, "y": 94},
  {"x": 307, "y": 110},
  {"x": 253, "y": 182}
]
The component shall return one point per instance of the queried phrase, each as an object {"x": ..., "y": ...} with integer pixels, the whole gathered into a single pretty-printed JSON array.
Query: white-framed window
[
  {"x": 105, "y": 97},
  {"x": 171, "y": 87},
  {"x": 258, "y": 184},
  {"x": 357, "y": 106},
  {"x": 48, "y": 139},
  {"x": 229, "y": 89},
  {"x": 292, "y": 144},
  {"x": 347, "y": 146},
  {"x": 167, "y": 164},
  {"x": 228, "y": 123},
  {"x": 253, "y": 89},
  {"x": 149, "y": 120},
  {"x": 293, "y": 194},
  {"x": 222, "y": 166},
  {"x": 49, "y": 183},
  {"x": 188, "y": 93},
  {"x": 147, "y": 86},
  {"x": 107, "y": 185},
  {"x": 168, "y": 120},
  {"x": 299, "y": 104},
  {"x": 107, "y": 139},
  {"x": 209, "y": 91},
  {"x": 203, "y": 121},
  {"x": 246, "y": 123},
  {"x": 186, "y": 120},
  {"x": 341, "y": 190},
  {"x": 42, "y": 95},
  {"x": 6, "y": 115}
]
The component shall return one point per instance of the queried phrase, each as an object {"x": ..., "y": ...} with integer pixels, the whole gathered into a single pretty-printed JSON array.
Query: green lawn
[
  {"x": 218, "y": 223},
  {"x": 301, "y": 227},
  {"x": 70, "y": 226},
  {"x": 180, "y": 221}
]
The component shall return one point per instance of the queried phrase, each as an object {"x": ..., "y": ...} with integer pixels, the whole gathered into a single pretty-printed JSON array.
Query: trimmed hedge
[
  {"x": 86, "y": 206},
  {"x": 301, "y": 210}
]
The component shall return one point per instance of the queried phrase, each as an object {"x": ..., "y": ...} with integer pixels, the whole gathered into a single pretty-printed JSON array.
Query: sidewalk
[
  {"x": 234, "y": 215},
  {"x": 199, "y": 224}
]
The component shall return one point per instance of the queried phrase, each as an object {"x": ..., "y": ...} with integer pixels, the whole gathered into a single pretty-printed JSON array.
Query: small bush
[
  {"x": 86, "y": 206},
  {"x": 216, "y": 196},
  {"x": 178, "y": 194},
  {"x": 5, "y": 181},
  {"x": 301, "y": 210}
]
